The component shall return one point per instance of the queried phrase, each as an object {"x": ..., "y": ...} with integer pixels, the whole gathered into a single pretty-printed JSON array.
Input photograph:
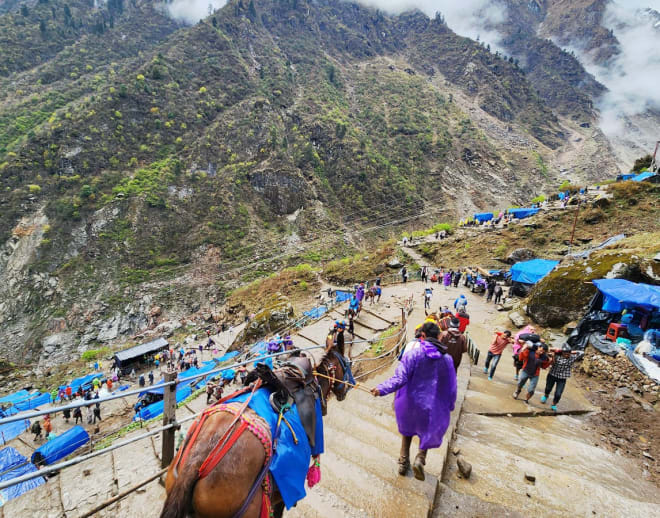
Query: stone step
[
  {"x": 363, "y": 427},
  {"x": 372, "y": 495},
  {"x": 319, "y": 500},
  {"x": 376, "y": 458}
]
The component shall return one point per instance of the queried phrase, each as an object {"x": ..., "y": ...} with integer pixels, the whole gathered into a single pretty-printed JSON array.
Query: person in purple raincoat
[
  {"x": 425, "y": 385},
  {"x": 447, "y": 280}
]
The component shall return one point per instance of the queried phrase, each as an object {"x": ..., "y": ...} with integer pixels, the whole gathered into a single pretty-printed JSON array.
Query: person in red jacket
[
  {"x": 534, "y": 358},
  {"x": 464, "y": 320}
]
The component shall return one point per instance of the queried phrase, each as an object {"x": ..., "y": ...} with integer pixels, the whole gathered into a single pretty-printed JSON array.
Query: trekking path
[
  {"x": 359, "y": 467},
  {"x": 505, "y": 440}
]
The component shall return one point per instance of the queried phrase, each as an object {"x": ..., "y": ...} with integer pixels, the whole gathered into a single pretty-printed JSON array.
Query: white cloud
[
  {"x": 465, "y": 17},
  {"x": 192, "y": 11}
]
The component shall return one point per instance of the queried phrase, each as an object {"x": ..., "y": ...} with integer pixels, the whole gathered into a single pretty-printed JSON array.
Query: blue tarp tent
[
  {"x": 619, "y": 294},
  {"x": 342, "y": 296},
  {"x": 643, "y": 176},
  {"x": 624, "y": 177},
  {"x": 12, "y": 465},
  {"x": 35, "y": 401},
  {"x": 531, "y": 272},
  {"x": 61, "y": 446},
  {"x": 484, "y": 216},
  {"x": 85, "y": 382},
  {"x": 10, "y": 431},
  {"x": 522, "y": 213},
  {"x": 15, "y": 397},
  {"x": 316, "y": 312},
  {"x": 155, "y": 409}
]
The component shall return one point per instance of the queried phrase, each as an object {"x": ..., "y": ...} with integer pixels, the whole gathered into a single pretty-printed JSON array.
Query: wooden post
[{"x": 169, "y": 417}]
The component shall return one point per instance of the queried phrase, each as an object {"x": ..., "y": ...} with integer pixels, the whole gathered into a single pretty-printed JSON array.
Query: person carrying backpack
[
  {"x": 455, "y": 342},
  {"x": 36, "y": 430}
]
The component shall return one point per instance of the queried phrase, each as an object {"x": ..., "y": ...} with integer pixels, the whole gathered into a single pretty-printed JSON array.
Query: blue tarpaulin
[
  {"x": 531, "y": 272},
  {"x": 35, "y": 401},
  {"x": 643, "y": 176},
  {"x": 620, "y": 294},
  {"x": 12, "y": 465},
  {"x": 61, "y": 446},
  {"x": 227, "y": 356},
  {"x": 522, "y": 213},
  {"x": 206, "y": 366},
  {"x": 155, "y": 409},
  {"x": 290, "y": 461},
  {"x": 342, "y": 296},
  {"x": 624, "y": 177},
  {"x": 483, "y": 216},
  {"x": 84, "y": 382},
  {"x": 10, "y": 431},
  {"x": 15, "y": 397},
  {"x": 316, "y": 312}
]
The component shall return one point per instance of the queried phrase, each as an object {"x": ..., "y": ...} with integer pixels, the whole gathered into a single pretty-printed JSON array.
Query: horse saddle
[{"x": 294, "y": 381}]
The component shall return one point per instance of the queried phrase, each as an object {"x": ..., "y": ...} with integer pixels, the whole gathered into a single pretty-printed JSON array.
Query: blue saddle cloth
[{"x": 290, "y": 461}]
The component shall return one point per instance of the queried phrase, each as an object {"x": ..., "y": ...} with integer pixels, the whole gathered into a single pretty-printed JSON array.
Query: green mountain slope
[{"x": 151, "y": 164}]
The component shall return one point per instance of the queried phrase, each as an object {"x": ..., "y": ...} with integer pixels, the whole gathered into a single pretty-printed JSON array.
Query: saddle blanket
[{"x": 290, "y": 461}]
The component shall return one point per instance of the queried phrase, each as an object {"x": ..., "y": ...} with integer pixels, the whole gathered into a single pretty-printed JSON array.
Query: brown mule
[{"x": 223, "y": 492}]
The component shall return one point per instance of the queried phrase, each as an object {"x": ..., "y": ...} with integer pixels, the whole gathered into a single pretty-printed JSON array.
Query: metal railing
[{"x": 473, "y": 349}]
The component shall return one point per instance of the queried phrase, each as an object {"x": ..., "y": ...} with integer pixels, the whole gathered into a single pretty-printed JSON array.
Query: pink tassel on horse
[{"x": 314, "y": 473}]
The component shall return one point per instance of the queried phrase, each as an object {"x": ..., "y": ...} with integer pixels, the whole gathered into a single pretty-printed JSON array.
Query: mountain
[{"x": 150, "y": 166}]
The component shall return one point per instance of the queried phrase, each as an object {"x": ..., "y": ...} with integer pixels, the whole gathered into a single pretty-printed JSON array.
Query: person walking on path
[
  {"x": 425, "y": 386},
  {"x": 518, "y": 343},
  {"x": 460, "y": 303},
  {"x": 36, "y": 430},
  {"x": 97, "y": 413},
  {"x": 457, "y": 278},
  {"x": 48, "y": 426},
  {"x": 562, "y": 364},
  {"x": 455, "y": 342},
  {"x": 490, "y": 288},
  {"x": 151, "y": 377},
  {"x": 66, "y": 413},
  {"x": 463, "y": 320},
  {"x": 428, "y": 293},
  {"x": 424, "y": 271},
  {"x": 404, "y": 274},
  {"x": 497, "y": 346},
  {"x": 498, "y": 294},
  {"x": 446, "y": 280},
  {"x": 77, "y": 414},
  {"x": 534, "y": 359}
]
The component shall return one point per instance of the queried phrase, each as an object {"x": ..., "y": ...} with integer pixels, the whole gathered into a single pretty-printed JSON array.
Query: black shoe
[
  {"x": 418, "y": 468},
  {"x": 404, "y": 465}
]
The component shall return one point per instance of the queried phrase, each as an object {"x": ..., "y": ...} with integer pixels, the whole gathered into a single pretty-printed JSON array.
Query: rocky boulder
[
  {"x": 520, "y": 254},
  {"x": 564, "y": 294},
  {"x": 275, "y": 317}
]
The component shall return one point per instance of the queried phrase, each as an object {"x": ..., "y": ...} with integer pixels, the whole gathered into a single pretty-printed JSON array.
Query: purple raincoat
[
  {"x": 447, "y": 279},
  {"x": 359, "y": 293},
  {"x": 425, "y": 385}
]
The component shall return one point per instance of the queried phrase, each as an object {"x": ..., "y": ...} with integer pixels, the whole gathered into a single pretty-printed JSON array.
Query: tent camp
[
  {"x": 60, "y": 446},
  {"x": 522, "y": 213},
  {"x": 36, "y": 400},
  {"x": 156, "y": 409},
  {"x": 16, "y": 397},
  {"x": 12, "y": 465},
  {"x": 125, "y": 358},
  {"x": 483, "y": 216},
  {"x": 524, "y": 275}
]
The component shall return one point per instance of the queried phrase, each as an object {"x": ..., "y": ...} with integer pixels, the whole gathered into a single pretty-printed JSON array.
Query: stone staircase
[{"x": 358, "y": 470}]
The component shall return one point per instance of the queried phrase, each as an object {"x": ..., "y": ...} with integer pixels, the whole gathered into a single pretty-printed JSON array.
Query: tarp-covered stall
[
  {"x": 522, "y": 213},
  {"x": 61, "y": 446},
  {"x": 647, "y": 176},
  {"x": 156, "y": 409},
  {"x": 10, "y": 431},
  {"x": 531, "y": 272},
  {"x": 620, "y": 294},
  {"x": 135, "y": 354},
  {"x": 483, "y": 216},
  {"x": 84, "y": 382},
  {"x": 16, "y": 397},
  {"x": 33, "y": 402},
  {"x": 12, "y": 465}
]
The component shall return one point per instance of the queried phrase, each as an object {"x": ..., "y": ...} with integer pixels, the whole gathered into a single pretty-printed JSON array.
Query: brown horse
[
  {"x": 373, "y": 293},
  {"x": 222, "y": 493}
]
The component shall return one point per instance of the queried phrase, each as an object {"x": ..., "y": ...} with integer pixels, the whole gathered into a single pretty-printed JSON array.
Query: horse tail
[{"x": 178, "y": 502}]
